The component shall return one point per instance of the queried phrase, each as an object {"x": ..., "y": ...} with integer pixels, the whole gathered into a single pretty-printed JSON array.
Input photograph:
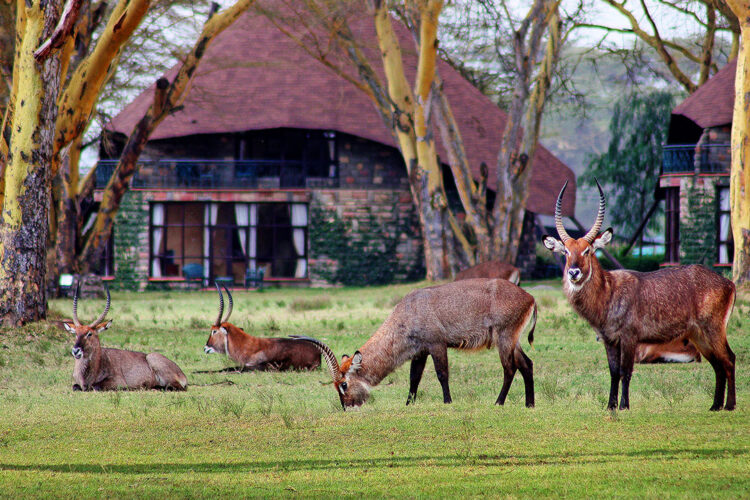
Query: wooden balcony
[{"x": 223, "y": 174}]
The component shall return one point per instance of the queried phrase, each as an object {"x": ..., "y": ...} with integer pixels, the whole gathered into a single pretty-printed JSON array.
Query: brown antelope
[
  {"x": 470, "y": 315},
  {"x": 491, "y": 269},
  {"x": 628, "y": 307},
  {"x": 103, "y": 369},
  {"x": 256, "y": 353}
]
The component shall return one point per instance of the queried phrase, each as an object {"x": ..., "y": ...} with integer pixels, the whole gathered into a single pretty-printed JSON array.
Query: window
[
  {"x": 672, "y": 225},
  {"x": 226, "y": 239},
  {"x": 723, "y": 227},
  {"x": 176, "y": 237}
]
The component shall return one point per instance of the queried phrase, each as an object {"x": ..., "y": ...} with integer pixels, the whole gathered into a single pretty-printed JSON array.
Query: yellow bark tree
[
  {"x": 23, "y": 224},
  {"x": 41, "y": 135},
  {"x": 740, "y": 175}
]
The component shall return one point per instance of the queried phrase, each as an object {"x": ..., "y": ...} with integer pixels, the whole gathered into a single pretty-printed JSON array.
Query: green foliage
[
  {"x": 630, "y": 167},
  {"x": 698, "y": 229},
  {"x": 643, "y": 263},
  {"x": 365, "y": 256}
]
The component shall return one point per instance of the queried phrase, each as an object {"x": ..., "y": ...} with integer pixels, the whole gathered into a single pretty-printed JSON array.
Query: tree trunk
[
  {"x": 166, "y": 97},
  {"x": 740, "y": 175},
  {"x": 25, "y": 211}
]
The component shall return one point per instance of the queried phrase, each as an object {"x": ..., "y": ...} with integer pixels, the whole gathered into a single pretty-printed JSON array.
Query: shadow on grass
[{"x": 384, "y": 462}]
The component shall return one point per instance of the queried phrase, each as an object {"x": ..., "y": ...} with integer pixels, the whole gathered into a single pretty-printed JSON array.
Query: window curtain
[
  {"x": 210, "y": 216},
  {"x": 299, "y": 222},
  {"x": 242, "y": 217},
  {"x": 253, "y": 221},
  {"x": 157, "y": 219},
  {"x": 724, "y": 225}
]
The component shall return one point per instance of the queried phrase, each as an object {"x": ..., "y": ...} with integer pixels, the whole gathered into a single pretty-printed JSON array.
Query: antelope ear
[
  {"x": 344, "y": 357},
  {"x": 603, "y": 239},
  {"x": 69, "y": 327},
  {"x": 553, "y": 244},
  {"x": 103, "y": 326},
  {"x": 356, "y": 362}
]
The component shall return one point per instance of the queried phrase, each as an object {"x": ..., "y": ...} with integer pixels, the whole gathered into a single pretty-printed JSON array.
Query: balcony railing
[
  {"x": 212, "y": 174},
  {"x": 712, "y": 158}
]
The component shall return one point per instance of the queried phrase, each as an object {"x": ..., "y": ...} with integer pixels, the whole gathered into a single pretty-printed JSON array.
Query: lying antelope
[
  {"x": 676, "y": 351},
  {"x": 628, "y": 307},
  {"x": 104, "y": 369},
  {"x": 470, "y": 315},
  {"x": 256, "y": 353},
  {"x": 491, "y": 269}
]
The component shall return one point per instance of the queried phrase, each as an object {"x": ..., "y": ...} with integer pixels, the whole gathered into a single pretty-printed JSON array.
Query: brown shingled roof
[
  {"x": 713, "y": 103},
  {"x": 254, "y": 77}
]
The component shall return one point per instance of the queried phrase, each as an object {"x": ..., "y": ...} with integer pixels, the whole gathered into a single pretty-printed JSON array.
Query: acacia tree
[
  {"x": 688, "y": 61},
  {"x": 409, "y": 110},
  {"x": 711, "y": 17},
  {"x": 740, "y": 176},
  {"x": 25, "y": 169},
  {"x": 40, "y": 129}
]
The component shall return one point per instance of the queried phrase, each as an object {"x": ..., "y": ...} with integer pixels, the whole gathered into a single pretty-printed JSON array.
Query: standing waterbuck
[
  {"x": 103, "y": 369},
  {"x": 628, "y": 307},
  {"x": 255, "y": 353},
  {"x": 470, "y": 314}
]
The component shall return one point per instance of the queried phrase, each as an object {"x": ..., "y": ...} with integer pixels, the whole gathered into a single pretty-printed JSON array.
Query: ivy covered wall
[{"x": 131, "y": 241}]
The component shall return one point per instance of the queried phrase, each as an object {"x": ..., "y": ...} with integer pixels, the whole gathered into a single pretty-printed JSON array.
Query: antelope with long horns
[
  {"x": 255, "y": 353},
  {"x": 469, "y": 314},
  {"x": 104, "y": 369},
  {"x": 628, "y": 307}
]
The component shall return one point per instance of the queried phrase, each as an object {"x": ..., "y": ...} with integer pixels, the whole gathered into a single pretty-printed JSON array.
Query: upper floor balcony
[
  {"x": 224, "y": 174},
  {"x": 711, "y": 158}
]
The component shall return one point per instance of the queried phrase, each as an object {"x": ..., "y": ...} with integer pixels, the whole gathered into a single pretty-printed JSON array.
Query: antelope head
[
  {"x": 579, "y": 253},
  {"x": 217, "y": 339},
  {"x": 87, "y": 336},
  {"x": 352, "y": 389}
]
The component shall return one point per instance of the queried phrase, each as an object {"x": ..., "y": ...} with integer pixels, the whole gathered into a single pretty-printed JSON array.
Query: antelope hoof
[
  {"x": 529, "y": 405},
  {"x": 624, "y": 406},
  {"x": 412, "y": 397},
  {"x": 77, "y": 387},
  {"x": 447, "y": 400},
  {"x": 729, "y": 407},
  {"x": 718, "y": 408}
]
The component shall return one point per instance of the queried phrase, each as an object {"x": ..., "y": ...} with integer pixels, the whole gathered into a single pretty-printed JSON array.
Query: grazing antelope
[
  {"x": 491, "y": 269},
  {"x": 628, "y": 307},
  {"x": 470, "y": 314},
  {"x": 256, "y": 353},
  {"x": 104, "y": 369}
]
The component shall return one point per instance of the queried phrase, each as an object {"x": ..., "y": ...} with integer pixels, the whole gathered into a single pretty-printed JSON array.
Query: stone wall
[
  {"x": 698, "y": 215},
  {"x": 526, "y": 258},
  {"x": 368, "y": 164},
  {"x": 391, "y": 208}
]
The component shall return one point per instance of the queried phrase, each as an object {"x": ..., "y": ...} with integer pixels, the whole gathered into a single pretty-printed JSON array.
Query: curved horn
[
  {"x": 106, "y": 309},
  {"x": 333, "y": 365},
  {"x": 75, "y": 304},
  {"x": 231, "y": 303},
  {"x": 564, "y": 236},
  {"x": 221, "y": 305},
  {"x": 594, "y": 231}
]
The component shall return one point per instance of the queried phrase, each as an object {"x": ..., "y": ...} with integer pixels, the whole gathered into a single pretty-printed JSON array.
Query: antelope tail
[{"x": 533, "y": 325}]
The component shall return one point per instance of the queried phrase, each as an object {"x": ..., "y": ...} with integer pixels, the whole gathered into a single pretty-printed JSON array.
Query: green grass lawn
[{"x": 284, "y": 434}]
